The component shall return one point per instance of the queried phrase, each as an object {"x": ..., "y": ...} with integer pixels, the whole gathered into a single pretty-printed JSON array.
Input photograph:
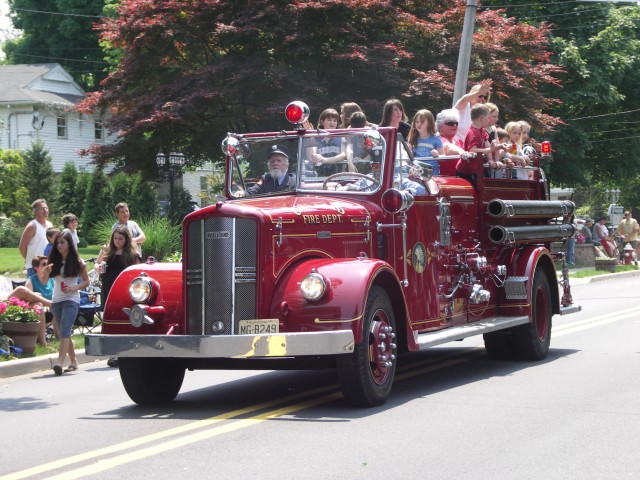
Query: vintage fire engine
[{"x": 364, "y": 255}]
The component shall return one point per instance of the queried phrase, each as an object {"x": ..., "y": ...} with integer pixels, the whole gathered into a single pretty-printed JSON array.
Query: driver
[{"x": 277, "y": 179}]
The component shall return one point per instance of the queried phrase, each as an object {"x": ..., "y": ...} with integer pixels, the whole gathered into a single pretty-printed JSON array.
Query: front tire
[
  {"x": 150, "y": 381},
  {"x": 366, "y": 375}
]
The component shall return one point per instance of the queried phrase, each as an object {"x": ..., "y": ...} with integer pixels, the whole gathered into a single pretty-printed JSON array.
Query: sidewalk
[{"x": 24, "y": 366}]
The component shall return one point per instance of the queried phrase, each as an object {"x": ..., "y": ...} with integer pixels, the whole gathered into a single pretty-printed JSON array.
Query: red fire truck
[{"x": 358, "y": 259}]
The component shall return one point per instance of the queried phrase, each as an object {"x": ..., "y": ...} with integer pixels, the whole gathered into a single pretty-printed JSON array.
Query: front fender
[
  {"x": 342, "y": 306},
  {"x": 166, "y": 304}
]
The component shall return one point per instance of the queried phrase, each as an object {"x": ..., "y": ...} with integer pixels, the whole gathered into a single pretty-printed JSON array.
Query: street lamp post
[{"x": 172, "y": 164}]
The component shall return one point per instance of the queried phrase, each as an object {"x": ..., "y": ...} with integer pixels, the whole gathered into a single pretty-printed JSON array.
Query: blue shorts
[{"x": 65, "y": 314}]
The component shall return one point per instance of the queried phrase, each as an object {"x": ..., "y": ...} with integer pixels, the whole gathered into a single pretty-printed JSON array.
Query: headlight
[
  {"x": 140, "y": 289},
  {"x": 313, "y": 286}
]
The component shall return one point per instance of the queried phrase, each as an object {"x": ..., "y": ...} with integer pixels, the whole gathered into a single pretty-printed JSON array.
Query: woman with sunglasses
[
  {"x": 480, "y": 93},
  {"x": 447, "y": 122}
]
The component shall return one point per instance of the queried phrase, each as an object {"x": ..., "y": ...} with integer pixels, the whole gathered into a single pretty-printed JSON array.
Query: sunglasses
[{"x": 451, "y": 124}]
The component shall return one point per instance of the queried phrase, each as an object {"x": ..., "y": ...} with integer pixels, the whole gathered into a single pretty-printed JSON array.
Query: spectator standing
[
  {"x": 629, "y": 229},
  {"x": 70, "y": 223},
  {"x": 52, "y": 233},
  {"x": 346, "y": 110},
  {"x": 137, "y": 235},
  {"x": 480, "y": 93},
  {"x": 393, "y": 116},
  {"x": 69, "y": 275},
  {"x": 112, "y": 260},
  {"x": 42, "y": 284},
  {"x": 34, "y": 236}
]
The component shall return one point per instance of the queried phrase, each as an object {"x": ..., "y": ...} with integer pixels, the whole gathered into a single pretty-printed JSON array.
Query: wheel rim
[
  {"x": 542, "y": 313},
  {"x": 381, "y": 347}
]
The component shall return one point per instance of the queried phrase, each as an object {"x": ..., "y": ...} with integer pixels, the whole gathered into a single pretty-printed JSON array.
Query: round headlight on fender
[
  {"x": 313, "y": 286},
  {"x": 141, "y": 289}
]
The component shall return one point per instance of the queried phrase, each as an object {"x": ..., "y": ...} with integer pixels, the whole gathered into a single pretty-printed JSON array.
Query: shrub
[
  {"x": 9, "y": 233},
  {"x": 163, "y": 238}
]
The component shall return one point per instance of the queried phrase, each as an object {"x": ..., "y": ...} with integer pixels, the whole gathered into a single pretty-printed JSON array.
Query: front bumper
[{"x": 230, "y": 346}]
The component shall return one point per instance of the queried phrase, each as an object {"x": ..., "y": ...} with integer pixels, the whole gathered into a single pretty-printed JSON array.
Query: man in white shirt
[{"x": 34, "y": 237}]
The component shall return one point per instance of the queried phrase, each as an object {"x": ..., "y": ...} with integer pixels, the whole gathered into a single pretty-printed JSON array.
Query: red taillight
[
  {"x": 545, "y": 148},
  {"x": 297, "y": 112}
]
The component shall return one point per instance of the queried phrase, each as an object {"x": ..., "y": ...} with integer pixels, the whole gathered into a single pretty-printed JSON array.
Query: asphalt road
[{"x": 453, "y": 414}]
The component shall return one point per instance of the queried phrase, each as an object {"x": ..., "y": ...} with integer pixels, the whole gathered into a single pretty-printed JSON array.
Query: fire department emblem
[{"x": 419, "y": 257}]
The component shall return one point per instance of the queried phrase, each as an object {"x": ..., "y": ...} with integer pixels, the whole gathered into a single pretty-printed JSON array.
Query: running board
[
  {"x": 570, "y": 309},
  {"x": 452, "y": 334}
]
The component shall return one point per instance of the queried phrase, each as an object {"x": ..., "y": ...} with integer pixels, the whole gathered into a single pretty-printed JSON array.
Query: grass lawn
[
  {"x": 12, "y": 263},
  {"x": 593, "y": 272},
  {"x": 78, "y": 344}
]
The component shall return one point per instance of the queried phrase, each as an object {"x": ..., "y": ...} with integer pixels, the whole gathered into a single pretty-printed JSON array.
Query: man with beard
[{"x": 278, "y": 179}]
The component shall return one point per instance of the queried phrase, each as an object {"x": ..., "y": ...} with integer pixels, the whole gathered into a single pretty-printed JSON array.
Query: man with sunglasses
[
  {"x": 480, "y": 93},
  {"x": 629, "y": 229}
]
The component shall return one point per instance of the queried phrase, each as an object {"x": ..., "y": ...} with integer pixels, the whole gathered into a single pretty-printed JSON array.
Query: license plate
[{"x": 256, "y": 327}]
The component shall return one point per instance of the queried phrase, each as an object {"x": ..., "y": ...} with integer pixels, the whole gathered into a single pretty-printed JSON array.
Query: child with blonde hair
[{"x": 424, "y": 140}]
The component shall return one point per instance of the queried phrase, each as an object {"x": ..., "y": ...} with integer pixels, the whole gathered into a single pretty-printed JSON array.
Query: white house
[{"x": 35, "y": 102}]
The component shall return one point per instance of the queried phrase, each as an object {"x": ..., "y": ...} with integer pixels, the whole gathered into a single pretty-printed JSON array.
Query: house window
[
  {"x": 99, "y": 132},
  {"x": 62, "y": 126}
]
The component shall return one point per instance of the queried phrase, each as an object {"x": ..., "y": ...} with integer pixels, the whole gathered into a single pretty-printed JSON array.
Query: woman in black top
[{"x": 118, "y": 255}]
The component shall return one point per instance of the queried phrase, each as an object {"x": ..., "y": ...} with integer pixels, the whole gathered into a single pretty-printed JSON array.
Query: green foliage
[
  {"x": 144, "y": 199},
  {"x": 67, "y": 198},
  {"x": 97, "y": 203},
  {"x": 69, "y": 39},
  {"x": 163, "y": 238},
  {"x": 38, "y": 172},
  {"x": 15, "y": 310},
  {"x": 121, "y": 184},
  {"x": 9, "y": 233},
  {"x": 14, "y": 198},
  {"x": 183, "y": 205}
]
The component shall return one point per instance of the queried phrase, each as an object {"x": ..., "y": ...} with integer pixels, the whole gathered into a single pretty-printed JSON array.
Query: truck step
[{"x": 452, "y": 334}]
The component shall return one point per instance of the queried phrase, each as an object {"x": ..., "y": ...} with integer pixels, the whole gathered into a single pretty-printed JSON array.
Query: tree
[
  {"x": 97, "y": 203},
  {"x": 180, "y": 82},
  {"x": 37, "y": 171},
  {"x": 59, "y": 31},
  {"x": 144, "y": 199},
  {"x": 121, "y": 185},
  {"x": 67, "y": 200},
  {"x": 14, "y": 198}
]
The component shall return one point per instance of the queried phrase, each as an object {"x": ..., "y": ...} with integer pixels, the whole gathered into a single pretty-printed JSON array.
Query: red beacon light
[
  {"x": 545, "y": 148},
  {"x": 297, "y": 112}
]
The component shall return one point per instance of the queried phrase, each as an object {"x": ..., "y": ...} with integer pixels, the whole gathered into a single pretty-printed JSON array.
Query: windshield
[{"x": 349, "y": 161}]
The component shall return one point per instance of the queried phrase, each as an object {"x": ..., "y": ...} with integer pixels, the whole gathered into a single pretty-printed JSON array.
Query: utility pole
[{"x": 464, "y": 56}]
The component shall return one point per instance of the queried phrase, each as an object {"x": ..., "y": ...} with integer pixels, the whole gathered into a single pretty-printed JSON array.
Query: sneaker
[
  {"x": 113, "y": 362},
  {"x": 57, "y": 369}
]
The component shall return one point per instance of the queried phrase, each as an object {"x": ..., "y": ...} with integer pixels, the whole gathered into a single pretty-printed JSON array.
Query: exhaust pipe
[
  {"x": 497, "y": 208},
  {"x": 534, "y": 233}
]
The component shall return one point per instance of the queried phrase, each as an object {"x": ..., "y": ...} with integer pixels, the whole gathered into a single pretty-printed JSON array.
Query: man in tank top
[{"x": 34, "y": 237}]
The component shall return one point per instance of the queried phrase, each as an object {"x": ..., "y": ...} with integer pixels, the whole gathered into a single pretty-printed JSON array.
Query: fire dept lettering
[{"x": 321, "y": 219}]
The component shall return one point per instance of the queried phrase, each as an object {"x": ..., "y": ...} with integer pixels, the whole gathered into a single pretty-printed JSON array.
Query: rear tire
[
  {"x": 499, "y": 345},
  {"x": 531, "y": 341},
  {"x": 366, "y": 375},
  {"x": 150, "y": 381}
]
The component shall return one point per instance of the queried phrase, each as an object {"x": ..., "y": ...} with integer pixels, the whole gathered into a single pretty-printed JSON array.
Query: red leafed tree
[{"x": 188, "y": 71}]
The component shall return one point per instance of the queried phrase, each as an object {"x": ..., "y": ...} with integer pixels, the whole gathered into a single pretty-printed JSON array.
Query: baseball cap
[{"x": 282, "y": 150}]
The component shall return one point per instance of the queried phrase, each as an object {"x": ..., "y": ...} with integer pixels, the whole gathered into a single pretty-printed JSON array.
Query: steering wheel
[{"x": 351, "y": 175}]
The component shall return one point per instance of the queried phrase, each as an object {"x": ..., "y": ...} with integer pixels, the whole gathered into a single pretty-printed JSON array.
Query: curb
[
  {"x": 601, "y": 278},
  {"x": 25, "y": 366}
]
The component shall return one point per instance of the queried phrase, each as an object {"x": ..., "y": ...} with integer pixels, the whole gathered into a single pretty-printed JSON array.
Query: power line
[
  {"x": 58, "y": 13},
  {"x": 60, "y": 58},
  {"x": 530, "y": 4},
  {"x": 613, "y": 139},
  {"x": 604, "y": 115}
]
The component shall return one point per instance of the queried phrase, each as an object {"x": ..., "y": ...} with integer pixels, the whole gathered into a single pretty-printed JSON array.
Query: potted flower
[{"x": 20, "y": 322}]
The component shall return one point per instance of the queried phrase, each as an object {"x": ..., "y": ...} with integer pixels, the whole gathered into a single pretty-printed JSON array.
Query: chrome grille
[{"x": 221, "y": 273}]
